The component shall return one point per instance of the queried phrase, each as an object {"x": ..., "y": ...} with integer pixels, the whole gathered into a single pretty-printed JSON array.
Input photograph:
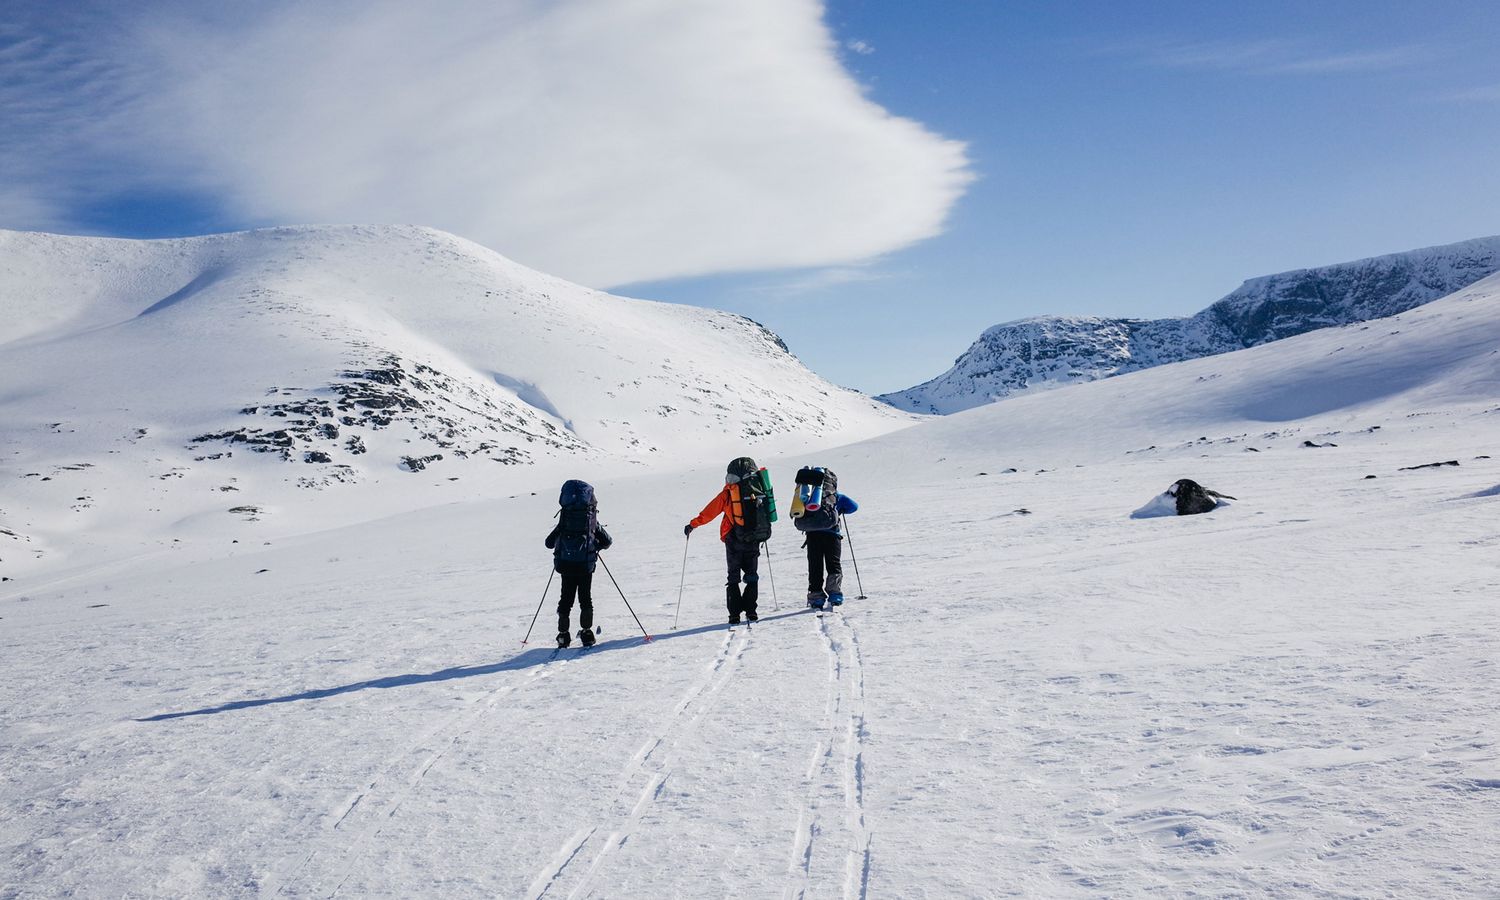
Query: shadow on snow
[{"x": 523, "y": 660}]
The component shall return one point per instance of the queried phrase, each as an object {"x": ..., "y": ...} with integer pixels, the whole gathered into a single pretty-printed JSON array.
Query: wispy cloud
[
  {"x": 1370, "y": 61},
  {"x": 57, "y": 102},
  {"x": 1271, "y": 56},
  {"x": 608, "y": 141},
  {"x": 1486, "y": 94},
  {"x": 817, "y": 280},
  {"x": 863, "y": 48}
]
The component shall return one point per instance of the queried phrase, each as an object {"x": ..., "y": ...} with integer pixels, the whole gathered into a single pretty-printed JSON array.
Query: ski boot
[
  {"x": 587, "y": 636},
  {"x": 563, "y": 640},
  {"x": 815, "y": 602},
  {"x": 835, "y": 599},
  {"x": 752, "y": 616}
]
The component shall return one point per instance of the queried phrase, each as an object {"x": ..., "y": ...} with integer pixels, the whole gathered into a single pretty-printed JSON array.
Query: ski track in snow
[
  {"x": 642, "y": 779},
  {"x": 835, "y": 780},
  {"x": 365, "y": 815},
  {"x": 1287, "y": 695}
]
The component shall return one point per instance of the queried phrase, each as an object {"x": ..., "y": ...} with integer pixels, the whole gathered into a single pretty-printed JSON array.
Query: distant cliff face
[
  {"x": 1278, "y": 306},
  {"x": 1052, "y": 351}
]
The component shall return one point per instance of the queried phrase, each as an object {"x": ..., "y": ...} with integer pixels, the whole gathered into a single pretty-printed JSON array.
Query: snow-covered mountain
[
  {"x": 1040, "y": 696},
  {"x": 1052, "y": 351},
  {"x": 241, "y": 370}
]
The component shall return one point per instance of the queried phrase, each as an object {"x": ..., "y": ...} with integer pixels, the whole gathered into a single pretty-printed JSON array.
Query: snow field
[
  {"x": 1041, "y": 696},
  {"x": 1286, "y": 695}
]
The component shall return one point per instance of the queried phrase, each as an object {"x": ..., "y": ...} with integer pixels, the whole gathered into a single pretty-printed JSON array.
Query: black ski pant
[
  {"x": 743, "y": 561},
  {"x": 577, "y": 579},
  {"x": 825, "y": 550}
]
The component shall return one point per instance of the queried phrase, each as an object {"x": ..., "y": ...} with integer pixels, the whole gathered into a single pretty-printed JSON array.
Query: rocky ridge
[{"x": 1052, "y": 351}]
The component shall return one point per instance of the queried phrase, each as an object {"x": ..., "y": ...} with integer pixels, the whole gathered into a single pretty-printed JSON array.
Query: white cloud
[
  {"x": 607, "y": 141},
  {"x": 863, "y": 48}
]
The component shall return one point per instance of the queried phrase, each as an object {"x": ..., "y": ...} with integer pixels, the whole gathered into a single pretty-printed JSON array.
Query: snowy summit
[{"x": 192, "y": 376}]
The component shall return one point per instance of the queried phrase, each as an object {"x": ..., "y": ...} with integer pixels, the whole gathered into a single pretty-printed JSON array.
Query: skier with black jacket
[{"x": 575, "y": 543}]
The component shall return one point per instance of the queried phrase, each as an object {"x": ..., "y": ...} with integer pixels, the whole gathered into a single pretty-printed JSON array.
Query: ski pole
[
  {"x": 681, "y": 581},
  {"x": 775, "y": 604},
  {"x": 853, "y": 557},
  {"x": 538, "y": 607},
  {"x": 622, "y": 596}
]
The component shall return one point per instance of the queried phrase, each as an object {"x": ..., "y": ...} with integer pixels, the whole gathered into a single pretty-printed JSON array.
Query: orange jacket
[{"x": 725, "y": 503}]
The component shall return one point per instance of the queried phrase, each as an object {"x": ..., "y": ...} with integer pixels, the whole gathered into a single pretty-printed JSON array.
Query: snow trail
[
  {"x": 833, "y": 811},
  {"x": 424, "y": 753},
  {"x": 646, "y": 773}
]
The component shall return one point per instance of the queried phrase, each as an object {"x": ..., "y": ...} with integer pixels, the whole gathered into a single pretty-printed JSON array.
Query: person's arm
[
  {"x": 551, "y": 541},
  {"x": 602, "y": 538},
  {"x": 713, "y": 510},
  {"x": 846, "y": 505}
]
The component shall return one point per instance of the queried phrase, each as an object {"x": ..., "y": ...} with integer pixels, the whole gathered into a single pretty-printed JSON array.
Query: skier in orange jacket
[{"x": 744, "y": 526}]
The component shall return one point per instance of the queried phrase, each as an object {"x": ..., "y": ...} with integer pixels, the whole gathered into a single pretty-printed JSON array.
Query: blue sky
[
  {"x": 1142, "y": 159},
  {"x": 1025, "y": 158}
]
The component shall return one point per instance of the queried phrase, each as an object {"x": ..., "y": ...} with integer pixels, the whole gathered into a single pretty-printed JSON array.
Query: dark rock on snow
[
  {"x": 418, "y": 463},
  {"x": 1193, "y": 498},
  {"x": 1436, "y": 465}
]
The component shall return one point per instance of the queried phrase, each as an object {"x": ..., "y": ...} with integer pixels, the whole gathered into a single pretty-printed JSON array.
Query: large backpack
[
  {"x": 818, "y": 493},
  {"x": 577, "y": 522},
  {"x": 749, "y": 497}
]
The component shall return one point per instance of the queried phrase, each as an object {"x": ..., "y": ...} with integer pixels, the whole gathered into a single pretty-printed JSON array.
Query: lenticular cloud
[{"x": 608, "y": 142}]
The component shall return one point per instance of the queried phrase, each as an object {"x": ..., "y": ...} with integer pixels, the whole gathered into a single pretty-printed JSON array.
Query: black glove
[{"x": 687, "y": 530}]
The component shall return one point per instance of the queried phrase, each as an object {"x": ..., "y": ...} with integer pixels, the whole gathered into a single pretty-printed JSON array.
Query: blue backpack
[{"x": 577, "y": 522}]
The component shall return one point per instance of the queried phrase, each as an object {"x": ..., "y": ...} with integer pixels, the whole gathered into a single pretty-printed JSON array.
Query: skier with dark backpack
[
  {"x": 575, "y": 543},
  {"x": 748, "y": 507},
  {"x": 816, "y": 510}
]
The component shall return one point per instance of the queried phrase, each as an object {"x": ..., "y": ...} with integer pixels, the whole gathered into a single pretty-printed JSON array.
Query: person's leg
[
  {"x": 815, "y": 594},
  {"x": 586, "y": 600},
  {"x": 750, "y": 565},
  {"x": 732, "y": 597},
  {"x": 833, "y": 553},
  {"x": 565, "y": 601}
]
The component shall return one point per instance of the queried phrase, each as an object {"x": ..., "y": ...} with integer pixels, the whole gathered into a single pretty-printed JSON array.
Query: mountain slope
[
  {"x": 1051, "y": 351},
  {"x": 1040, "y": 696},
  {"x": 239, "y": 370},
  {"x": 1441, "y": 355}
]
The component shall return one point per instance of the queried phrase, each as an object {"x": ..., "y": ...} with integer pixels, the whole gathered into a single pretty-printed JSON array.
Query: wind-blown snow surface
[
  {"x": 1040, "y": 696},
  {"x": 157, "y": 391},
  {"x": 1052, "y": 351}
]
